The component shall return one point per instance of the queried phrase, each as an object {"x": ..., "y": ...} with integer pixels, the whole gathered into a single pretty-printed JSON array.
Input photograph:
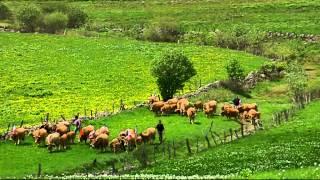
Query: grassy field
[
  {"x": 64, "y": 75},
  {"x": 300, "y": 16},
  {"x": 291, "y": 146}
]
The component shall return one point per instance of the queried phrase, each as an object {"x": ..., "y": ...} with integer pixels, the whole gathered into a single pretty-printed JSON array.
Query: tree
[
  {"x": 235, "y": 71},
  {"x": 296, "y": 78},
  {"x": 54, "y": 22},
  {"x": 5, "y": 12},
  {"x": 29, "y": 18},
  {"x": 172, "y": 70}
]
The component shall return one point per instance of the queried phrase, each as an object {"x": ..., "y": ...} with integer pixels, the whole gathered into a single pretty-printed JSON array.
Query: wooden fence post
[
  {"x": 208, "y": 142},
  {"x": 221, "y": 141},
  {"x": 174, "y": 149},
  {"x": 39, "y": 170},
  {"x": 214, "y": 139},
  {"x": 224, "y": 136},
  {"x": 91, "y": 115},
  {"x": 236, "y": 133},
  {"x": 188, "y": 146},
  {"x": 197, "y": 145},
  {"x": 242, "y": 130},
  {"x": 231, "y": 134}
]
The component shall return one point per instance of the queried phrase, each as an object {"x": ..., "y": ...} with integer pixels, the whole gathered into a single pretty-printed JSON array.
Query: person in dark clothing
[
  {"x": 77, "y": 123},
  {"x": 236, "y": 101},
  {"x": 160, "y": 129}
]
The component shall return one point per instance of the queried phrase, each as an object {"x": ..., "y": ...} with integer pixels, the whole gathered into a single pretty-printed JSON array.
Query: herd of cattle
[
  {"x": 243, "y": 113},
  {"x": 59, "y": 136}
]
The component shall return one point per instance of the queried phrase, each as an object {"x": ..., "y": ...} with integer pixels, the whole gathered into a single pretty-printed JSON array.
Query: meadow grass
[
  {"x": 293, "y": 145},
  {"x": 65, "y": 75}
]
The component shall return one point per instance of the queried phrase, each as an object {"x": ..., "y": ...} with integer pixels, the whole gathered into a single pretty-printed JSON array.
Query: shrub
[
  {"x": 172, "y": 70},
  {"x": 55, "y": 22},
  {"x": 235, "y": 71},
  {"x": 163, "y": 31},
  {"x": 5, "y": 12},
  {"x": 50, "y": 7},
  {"x": 296, "y": 78},
  {"x": 76, "y": 17},
  {"x": 29, "y": 18}
]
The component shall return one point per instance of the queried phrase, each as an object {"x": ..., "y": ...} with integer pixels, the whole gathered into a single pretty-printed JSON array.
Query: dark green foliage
[
  {"x": 50, "y": 7},
  {"x": 76, "y": 17},
  {"x": 296, "y": 78},
  {"x": 55, "y": 22},
  {"x": 29, "y": 18},
  {"x": 163, "y": 31},
  {"x": 235, "y": 71},
  {"x": 172, "y": 70},
  {"x": 5, "y": 12}
]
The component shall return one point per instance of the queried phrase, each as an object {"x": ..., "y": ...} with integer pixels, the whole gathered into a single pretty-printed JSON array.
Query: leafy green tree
[
  {"x": 29, "y": 18},
  {"x": 5, "y": 12},
  {"x": 296, "y": 78},
  {"x": 172, "y": 70},
  {"x": 55, "y": 22},
  {"x": 235, "y": 71}
]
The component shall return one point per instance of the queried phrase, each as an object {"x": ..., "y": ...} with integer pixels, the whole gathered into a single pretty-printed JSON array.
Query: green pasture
[{"x": 65, "y": 75}]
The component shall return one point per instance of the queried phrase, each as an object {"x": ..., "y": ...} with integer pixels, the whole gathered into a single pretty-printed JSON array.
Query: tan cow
[
  {"x": 64, "y": 141},
  {"x": 117, "y": 144},
  {"x": 198, "y": 105},
  {"x": 182, "y": 106},
  {"x": 148, "y": 135},
  {"x": 156, "y": 106},
  {"x": 168, "y": 108},
  {"x": 101, "y": 142},
  {"x": 152, "y": 99},
  {"x": 71, "y": 135},
  {"x": 210, "y": 108},
  {"x": 231, "y": 113},
  {"x": 191, "y": 112},
  {"x": 248, "y": 107},
  {"x": 53, "y": 139},
  {"x": 18, "y": 135},
  {"x": 39, "y": 135},
  {"x": 62, "y": 129}
]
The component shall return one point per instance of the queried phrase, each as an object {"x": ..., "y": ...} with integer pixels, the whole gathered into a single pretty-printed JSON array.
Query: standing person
[
  {"x": 160, "y": 129},
  {"x": 77, "y": 123},
  {"x": 237, "y": 102}
]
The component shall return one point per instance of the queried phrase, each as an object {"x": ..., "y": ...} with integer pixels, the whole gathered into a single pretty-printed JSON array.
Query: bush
[
  {"x": 30, "y": 18},
  {"x": 55, "y": 22},
  {"x": 76, "y": 17},
  {"x": 163, "y": 31},
  {"x": 5, "y": 12},
  {"x": 297, "y": 79},
  {"x": 235, "y": 71},
  {"x": 172, "y": 70},
  {"x": 50, "y": 7}
]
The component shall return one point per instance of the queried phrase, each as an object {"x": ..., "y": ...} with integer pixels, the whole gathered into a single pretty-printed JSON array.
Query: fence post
[
  {"x": 236, "y": 133},
  {"x": 91, "y": 115},
  {"x": 39, "y": 170},
  {"x": 224, "y": 136},
  {"x": 208, "y": 142},
  {"x": 197, "y": 145},
  {"x": 214, "y": 139},
  {"x": 188, "y": 146},
  {"x": 242, "y": 133},
  {"x": 174, "y": 149},
  {"x": 231, "y": 134}
]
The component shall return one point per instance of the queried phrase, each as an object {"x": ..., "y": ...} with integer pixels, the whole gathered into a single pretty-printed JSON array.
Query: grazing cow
[
  {"x": 53, "y": 139},
  {"x": 130, "y": 139},
  {"x": 210, "y": 108},
  {"x": 247, "y": 107},
  {"x": 139, "y": 140},
  {"x": 173, "y": 101},
  {"x": 93, "y": 134},
  {"x": 84, "y": 133},
  {"x": 156, "y": 106},
  {"x": 231, "y": 112},
  {"x": 117, "y": 144},
  {"x": 254, "y": 116},
  {"x": 71, "y": 135},
  {"x": 191, "y": 112},
  {"x": 18, "y": 135},
  {"x": 148, "y": 135},
  {"x": 198, "y": 105},
  {"x": 225, "y": 107},
  {"x": 101, "y": 142},
  {"x": 182, "y": 106},
  {"x": 39, "y": 135}
]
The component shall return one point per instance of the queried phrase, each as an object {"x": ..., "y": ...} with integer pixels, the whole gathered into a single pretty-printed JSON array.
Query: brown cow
[
  {"x": 168, "y": 108},
  {"x": 53, "y": 139},
  {"x": 117, "y": 144},
  {"x": 173, "y": 101},
  {"x": 247, "y": 107},
  {"x": 148, "y": 135},
  {"x": 39, "y": 135},
  {"x": 62, "y": 129},
  {"x": 198, "y": 105},
  {"x": 231, "y": 112},
  {"x": 225, "y": 107},
  {"x": 63, "y": 141},
  {"x": 210, "y": 108},
  {"x": 191, "y": 112},
  {"x": 156, "y": 106},
  {"x": 101, "y": 142},
  {"x": 152, "y": 99},
  {"x": 182, "y": 106},
  {"x": 71, "y": 136},
  {"x": 18, "y": 135},
  {"x": 130, "y": 139},
  {"x": 84, "y": 133},
  {"x": 93, "y": 134}
]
